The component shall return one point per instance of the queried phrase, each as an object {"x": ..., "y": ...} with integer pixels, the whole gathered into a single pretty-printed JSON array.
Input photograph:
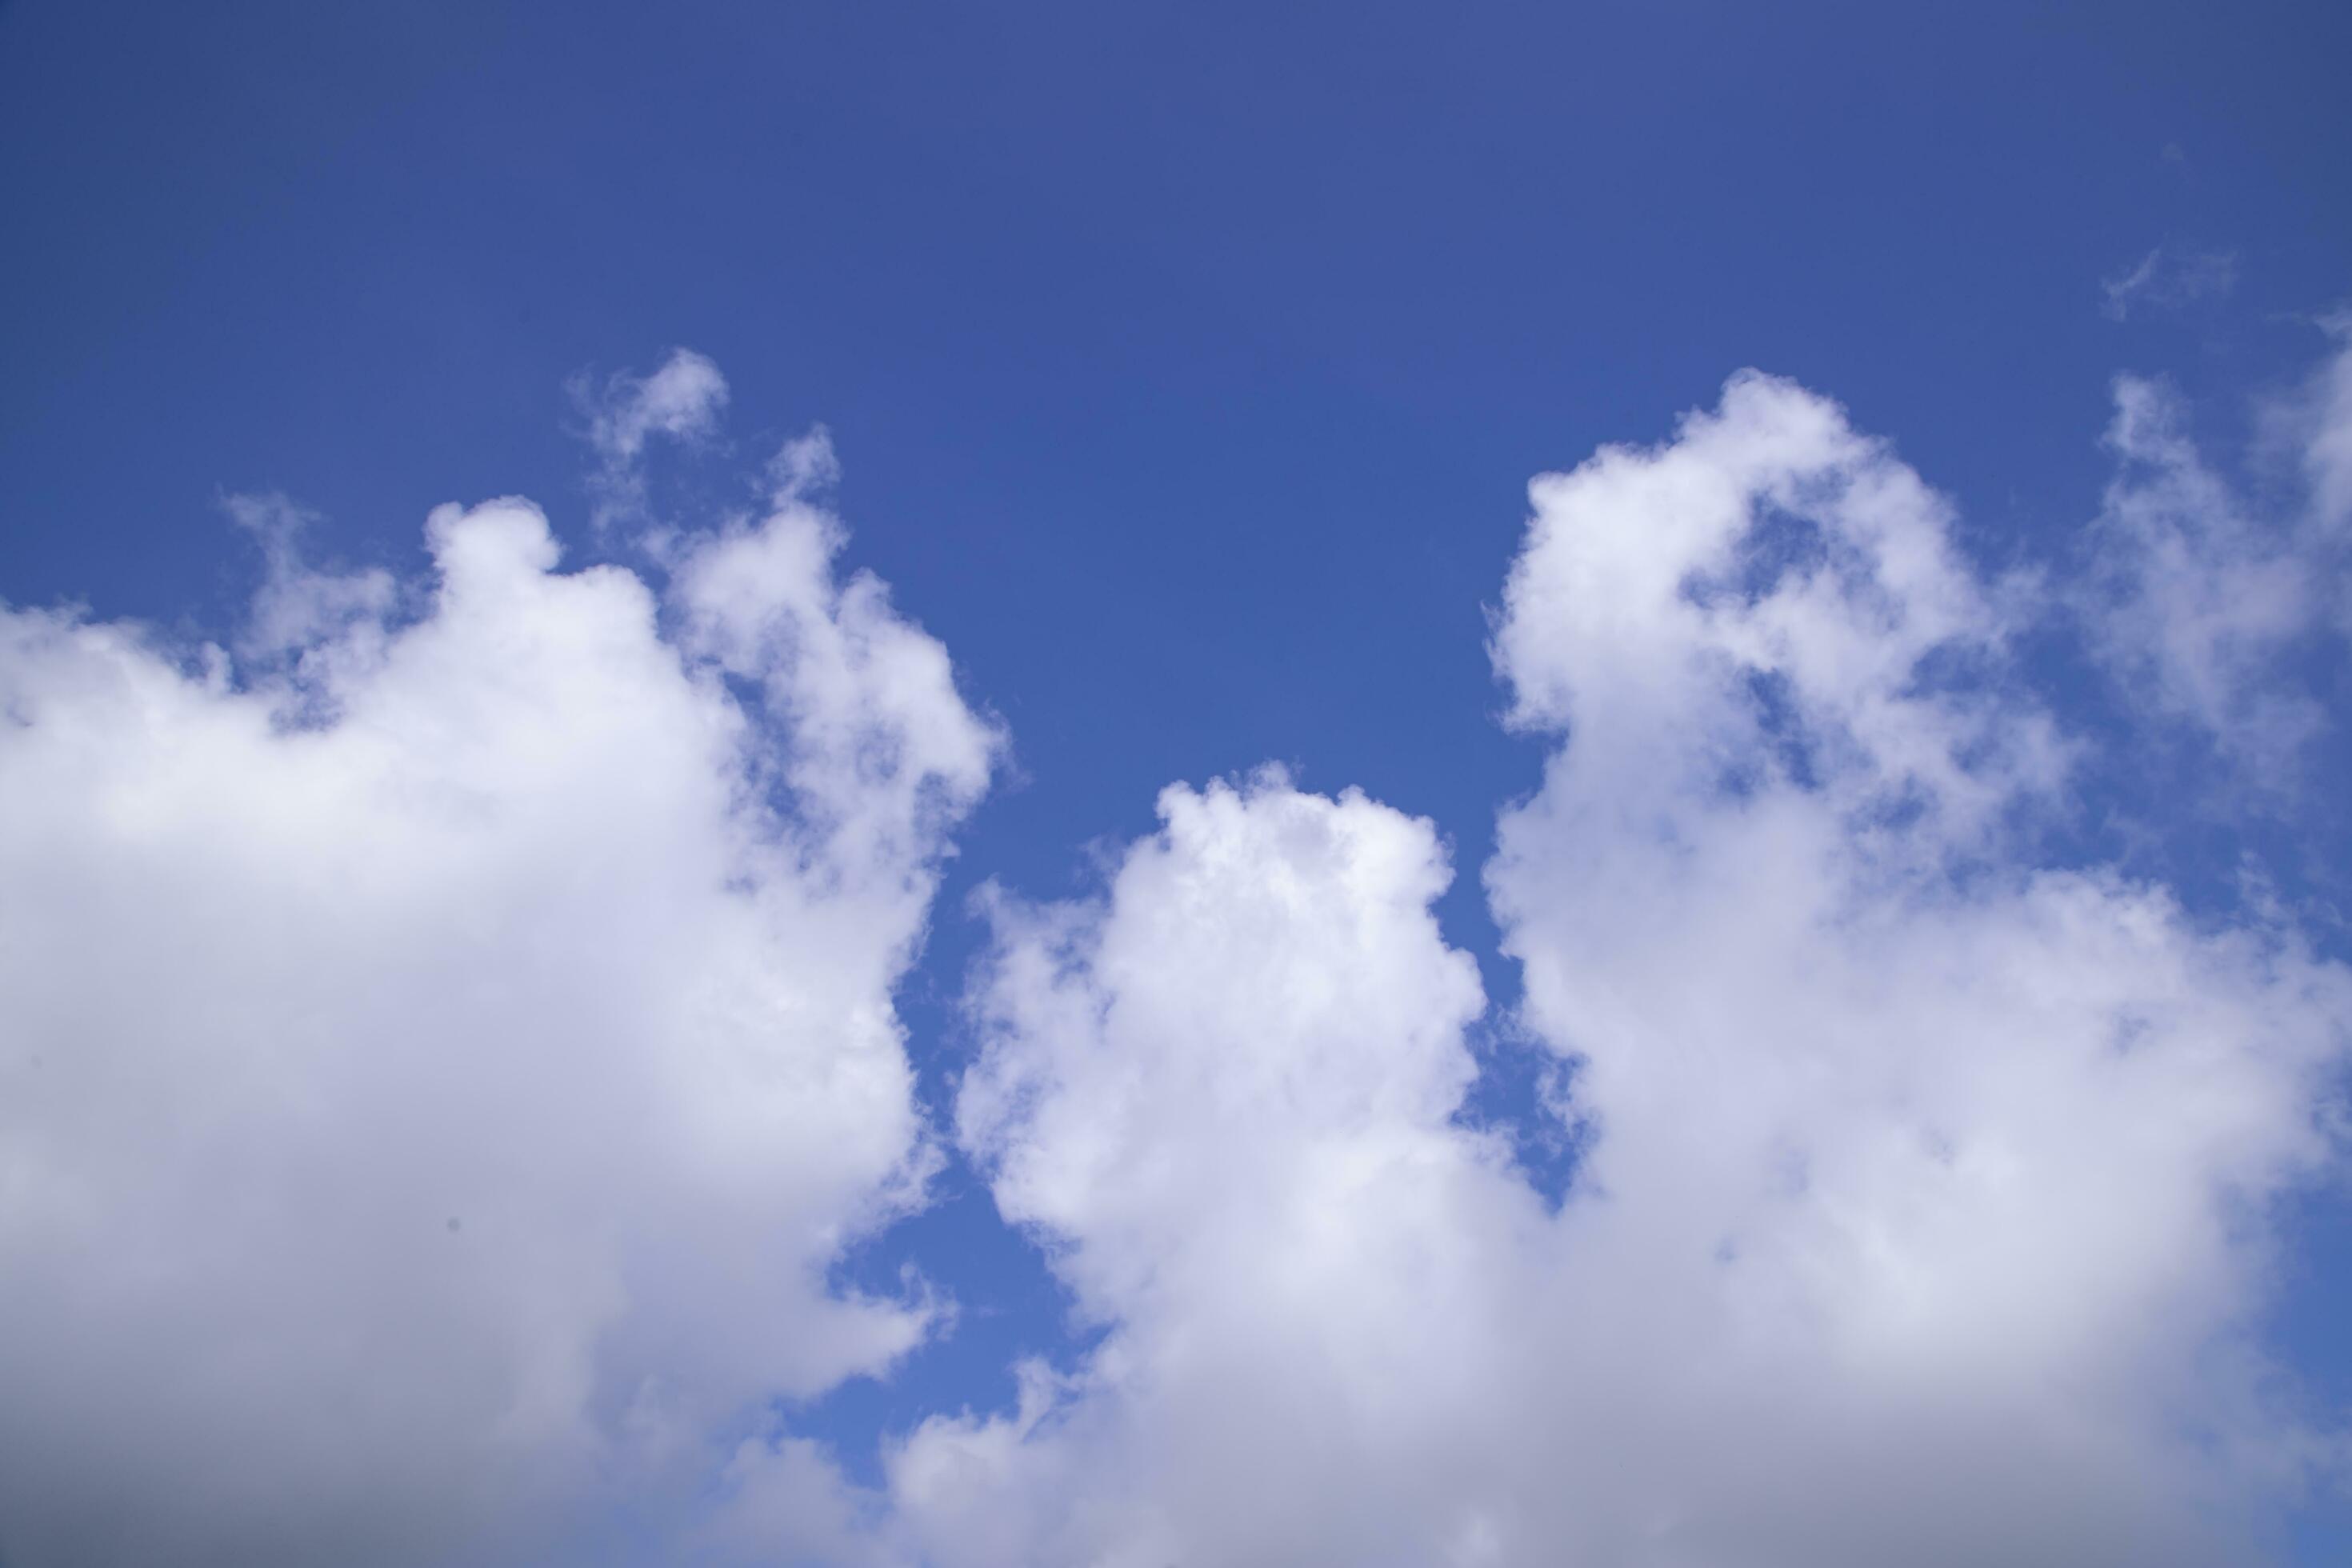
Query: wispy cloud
[
  {"x": 681, "y": 401},
  {"x": 2198, "y": 593},
  {"x": 2166, "y": 278}
]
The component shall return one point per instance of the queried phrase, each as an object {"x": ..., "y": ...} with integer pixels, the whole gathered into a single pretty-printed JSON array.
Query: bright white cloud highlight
[
  {"x": 1923, "y": 1218},
  {"x": 444, "y": 1046},
  {"x": 1959, "y": 1166},
  {"x": 441, "y": 1057}
]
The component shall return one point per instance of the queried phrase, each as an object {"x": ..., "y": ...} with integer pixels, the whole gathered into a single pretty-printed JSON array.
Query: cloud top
[
  {"x": 448, "y": 1039},
  {"x": 1920, "y": 1215},
  {"x": 443, "y": 1054}
]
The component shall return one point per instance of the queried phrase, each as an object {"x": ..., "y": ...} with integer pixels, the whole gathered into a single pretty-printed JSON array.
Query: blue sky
[{"x": 1187, "y": 368}]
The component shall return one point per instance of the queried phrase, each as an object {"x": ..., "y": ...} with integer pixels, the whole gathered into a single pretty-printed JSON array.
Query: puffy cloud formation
[
  {"x": 1959, "y": 1164},
  {"x": 1223, "y": 1094},
  {"x": 441, "y": 1056},
  {"x": 1922, "y": 1214},
  {"x": 443, "y": 1048}
]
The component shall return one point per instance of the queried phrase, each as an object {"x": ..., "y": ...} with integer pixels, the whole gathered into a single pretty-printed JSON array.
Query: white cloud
[
  {"x": 2192, "y": 600},
  {"x": 440, "y": 1063},
  {"x": 805, "y": 467},
  {"x": 2199, "y": 597},
  {"x": 681, "y": 401},
  {"x": 1924, "y": 1218},
  {"x": 1960, "y": 1164},
  {"x": 298, "y": 611},
  {"x": 440, "y": 1054},
  {"x": 2328, "y": 437},
  {"x": 1223, "y": 1094},
  {"x": 2167, "y": 279}
]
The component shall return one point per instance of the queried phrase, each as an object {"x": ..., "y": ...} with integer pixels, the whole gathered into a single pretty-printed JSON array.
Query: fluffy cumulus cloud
[
  {"x": 1200, "y": 1090},
  {"x": 1959, "y": 1164},
  {"x": 1923, "y": 1215},
  {"x": 445, "y": 1042}
]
